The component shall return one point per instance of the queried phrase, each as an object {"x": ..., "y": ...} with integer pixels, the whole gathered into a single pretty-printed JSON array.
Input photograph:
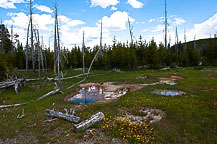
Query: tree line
[{"x": 129, "y": 56}]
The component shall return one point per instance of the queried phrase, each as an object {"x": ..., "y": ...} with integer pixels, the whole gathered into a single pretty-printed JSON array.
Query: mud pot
[{"x": 168, "y": 92}]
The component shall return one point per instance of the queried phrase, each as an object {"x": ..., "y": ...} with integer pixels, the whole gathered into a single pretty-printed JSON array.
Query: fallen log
[
  {"x": 89, "y": 122},
  {"x": 37, "y": 79},
  {"x": 66, "y": 78},
  {"x": 50, "y": 93},
  {"x": 77, "y": 83},
  {"x": 65, "y": 116},
  {"x": 15, "y": 84},
  {"x": 13, "y": 105},
  {"x": 57, "y": 90}
]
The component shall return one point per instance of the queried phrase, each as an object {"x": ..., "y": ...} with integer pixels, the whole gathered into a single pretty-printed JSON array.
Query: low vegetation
[{"x": 190, "y": 118}]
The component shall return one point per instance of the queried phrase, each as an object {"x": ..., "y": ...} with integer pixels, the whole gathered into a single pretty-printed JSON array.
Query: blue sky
[{"x": 197, "y": 17}]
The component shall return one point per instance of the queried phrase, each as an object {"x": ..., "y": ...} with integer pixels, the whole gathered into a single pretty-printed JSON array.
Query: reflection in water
[
  {"x": 171, "y": 83},
  {"x": 168, "y": 92},
  {"x": 96, "y": 93}
]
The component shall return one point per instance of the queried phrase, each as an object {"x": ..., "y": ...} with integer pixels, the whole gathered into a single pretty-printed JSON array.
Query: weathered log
[
  {"x": 37, "y": 79},
  {"x": 77, "y": 83},
  {"x": 5, "y": 85},
  {"x": 57, "y": 90},
  {"x": 50, "y": 93},
  {"x": 89, "y": 122},
  {"x": 65, "y": 116},
  {"x": 13, "y": 105},
  {"x": 66, "y": 78}
]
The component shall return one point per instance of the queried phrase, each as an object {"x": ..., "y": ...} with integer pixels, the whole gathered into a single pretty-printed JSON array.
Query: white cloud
[
  {"x": 178, "y": 21},
  {"x": 160, "y": 19},
  {"x": 45, "y": 24},
  {"x": 103, "y": 3},
  {"x": 9, "y": 4},
  {"x": 17, "y": 1},
  {"x": 6, "y": 4},
  {"x": 43, "y": 8},
  {"x": 204, "y": 29},
  {"x": 117, "y": 21},
  {"x": 18, "y": 19},
  {"x": 69, "y": 22},
  {"x": 135, "y": 3},
  {"x": 113, "y": 8},
  {"x": 158, "y": 28}
]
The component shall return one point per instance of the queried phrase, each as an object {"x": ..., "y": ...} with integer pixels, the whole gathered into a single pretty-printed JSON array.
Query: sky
[{"x": 198, "y": 18}]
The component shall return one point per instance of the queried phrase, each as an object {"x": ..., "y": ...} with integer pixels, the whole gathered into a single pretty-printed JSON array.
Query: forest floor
[{"x": 189, "y": 118}]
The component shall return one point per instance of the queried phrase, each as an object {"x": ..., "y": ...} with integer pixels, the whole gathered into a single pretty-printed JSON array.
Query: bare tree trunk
[
  {"x": 55, "y": 39},
  {"x": 131, "y": 31},
  {"x": 176, "y": 42},
  {"x": 27, "y": 48},
  {"x": 2, "y": 32},
  {"x": 185, "y": 46},
  {"x": 166, "y": 27},
  {"x": 83, "y": 52},
  {"x": 97, "y": 51},
  {"x": 41, "y": 54},
  {"x": 45, "y": 62},
  {"x": 32, "y": 41}
]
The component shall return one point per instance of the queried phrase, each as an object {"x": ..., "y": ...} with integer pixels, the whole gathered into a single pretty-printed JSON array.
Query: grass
[{"x": 191, "y": 118}]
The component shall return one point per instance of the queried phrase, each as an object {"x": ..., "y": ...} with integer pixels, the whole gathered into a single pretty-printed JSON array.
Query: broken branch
[{"x": 13, "y": 105}]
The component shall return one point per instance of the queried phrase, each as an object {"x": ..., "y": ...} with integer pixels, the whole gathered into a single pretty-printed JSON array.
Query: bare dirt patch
[{"x": 147, "y": 115}]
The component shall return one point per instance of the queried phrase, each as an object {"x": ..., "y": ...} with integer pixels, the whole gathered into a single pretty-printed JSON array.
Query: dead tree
[
  {"x": 176, "y": 42},
  {"x": 2, "y": 37},
  {"x": 83, "y": 52},
  {"x": 131, "y": 31},
  {"x": 165, "y": 41},
  {"x": 32, "y": 40},
  {"x": 12, "y": 38},
  {"x": 57, "y": 90},
  {"x": 41, "y": 53},
  {"x": 27, "y": 48},
  {"x": 13, "y": 83},
  {"x": 30, "y": 31},
  {"x": 45, "y": 61},
  {"x": 55, "y": 40},
  {"x": 185, "y": 45},
  {"x": 37, "y": 45},
  {"x": 97, "y": 51},
  {"x": 195, "y": 41},
  {"x": 57, "y": 51}
]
